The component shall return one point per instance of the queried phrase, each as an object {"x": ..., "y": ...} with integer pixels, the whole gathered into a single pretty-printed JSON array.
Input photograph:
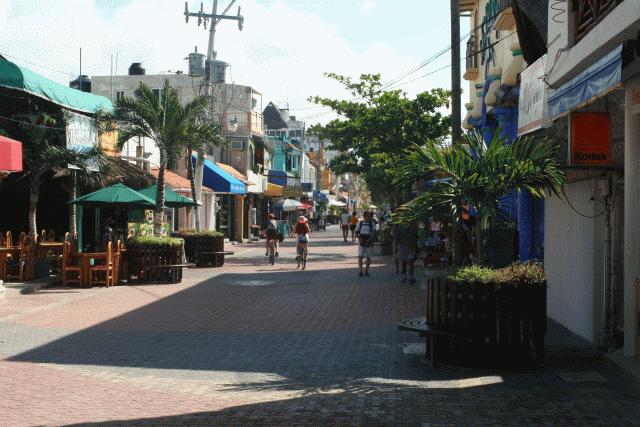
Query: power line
[{"x": 37, "y": 65}]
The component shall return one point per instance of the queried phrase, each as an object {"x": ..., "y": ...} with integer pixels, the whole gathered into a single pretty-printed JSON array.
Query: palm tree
[
  {"x": 478, "y": 175},
  {"x": 198, "y": 136},
  {"x": 165, "y": 121},
  {"x": 45, "y": 152}
]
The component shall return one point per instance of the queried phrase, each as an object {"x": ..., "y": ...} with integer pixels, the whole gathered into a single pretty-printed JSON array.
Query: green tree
[
  {"x": 376, "y": 126},
  {"x": 170, "y": 125},
  {"x": 198, "y": 136},
  {"x": 45, "y": 152},
  {"x": 478, "y": 175}
]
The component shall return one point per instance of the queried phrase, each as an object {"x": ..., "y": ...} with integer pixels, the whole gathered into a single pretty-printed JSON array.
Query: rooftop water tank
[
  {"x": 136, "y": 69},
  {"x": 82, "y": 82}
]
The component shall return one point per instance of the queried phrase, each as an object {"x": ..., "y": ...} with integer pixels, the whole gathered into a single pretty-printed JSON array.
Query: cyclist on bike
[
  {"x": 302, "y": 230},
  {"x": 272, "y": 233}
]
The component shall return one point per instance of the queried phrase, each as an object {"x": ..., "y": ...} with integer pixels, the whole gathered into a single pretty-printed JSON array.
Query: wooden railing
[
  {"x": 589, "y": 13},
  {"x": 472, "y": 53}
]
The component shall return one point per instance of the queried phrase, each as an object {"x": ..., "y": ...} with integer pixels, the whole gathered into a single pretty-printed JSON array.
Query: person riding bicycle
[
  {"x": 302, "y": 230},
  {"x": 272, "y": 233}
]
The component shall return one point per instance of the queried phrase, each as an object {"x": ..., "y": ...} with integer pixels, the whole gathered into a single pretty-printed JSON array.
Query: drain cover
[
  {"x": 582, "y": 377},
  {"x": 255, "y": 282}
]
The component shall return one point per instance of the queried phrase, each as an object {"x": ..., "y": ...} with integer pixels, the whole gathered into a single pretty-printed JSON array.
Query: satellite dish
[
  {"x": 240, "y": 20},
  {"x": 186, "y": 12}
]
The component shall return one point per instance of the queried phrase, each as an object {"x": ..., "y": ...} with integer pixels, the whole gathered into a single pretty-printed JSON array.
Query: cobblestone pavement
[{"x": 254, "y": 344}]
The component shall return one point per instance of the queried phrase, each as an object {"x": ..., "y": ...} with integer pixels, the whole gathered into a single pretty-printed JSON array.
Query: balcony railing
[
  {"x": 589, "y": 13},
  {"x": 471, "y": 58}
]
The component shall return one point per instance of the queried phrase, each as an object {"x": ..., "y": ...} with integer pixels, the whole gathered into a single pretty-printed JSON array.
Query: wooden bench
[
  {"x": 419, "y": 324},
  {"x": 211, "y": 257},
  {"x": 166, "y": 273}
]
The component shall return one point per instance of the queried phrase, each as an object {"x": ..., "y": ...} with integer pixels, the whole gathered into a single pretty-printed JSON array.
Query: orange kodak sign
[{"x": 590, "y": 139}]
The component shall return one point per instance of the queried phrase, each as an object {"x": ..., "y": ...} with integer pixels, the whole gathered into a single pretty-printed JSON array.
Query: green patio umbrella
[
  {"x": 171, "y": 198},
  {"x": 117, "y": 194}
]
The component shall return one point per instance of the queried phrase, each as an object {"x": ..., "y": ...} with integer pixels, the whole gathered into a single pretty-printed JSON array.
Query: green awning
[
  {"x": 171, "y": 198},
  {"x": 117, "y": 194},
  {"x": 16, "y": 77}
]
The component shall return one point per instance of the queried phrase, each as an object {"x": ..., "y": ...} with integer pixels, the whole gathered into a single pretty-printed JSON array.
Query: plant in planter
[
  {"x": 149, "y": 252},
  {"x": 498, "y": 315},
  {"x": 203, "y": 247}
]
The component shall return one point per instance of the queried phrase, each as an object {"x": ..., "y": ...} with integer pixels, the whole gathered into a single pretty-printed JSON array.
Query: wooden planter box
[
  {"x": 203, "y": 250},
  {"x": 490, "y": 324},
  {"x": 155, "y": 263}
]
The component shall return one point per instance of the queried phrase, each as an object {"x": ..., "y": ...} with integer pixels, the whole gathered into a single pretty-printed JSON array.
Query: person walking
[
  {"x": 364, "y": 230},
  {"x": 407, "y": 250},
  {"x": 353, "y": 223},
  {"x": 395, "y": 242},
  {"x": 344, "y": 224}
]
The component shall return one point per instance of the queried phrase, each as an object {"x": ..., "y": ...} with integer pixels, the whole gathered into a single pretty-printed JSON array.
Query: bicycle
[
  {"x": 272, "y": 251},
  {"x": 302, "y": 255}
]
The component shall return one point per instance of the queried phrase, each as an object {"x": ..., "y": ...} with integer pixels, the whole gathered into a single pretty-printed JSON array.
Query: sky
[{"x": 282, "y": 51}]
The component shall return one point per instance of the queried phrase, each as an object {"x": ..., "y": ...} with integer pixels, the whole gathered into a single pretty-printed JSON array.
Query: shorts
[
  {"x": 303, "y": 238},
  {"x": 345, "y": 227},
  {"x": 364, "y": 251},
  {"x": 352, "y": 227},
  {"x": 272, "y": 233}
]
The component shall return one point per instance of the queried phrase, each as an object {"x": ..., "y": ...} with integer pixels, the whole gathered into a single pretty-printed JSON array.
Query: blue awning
[
  {"x": 220, "y": 181},
  {"x": 277, "y": 177},
  {"x": 603, "y": 75}
]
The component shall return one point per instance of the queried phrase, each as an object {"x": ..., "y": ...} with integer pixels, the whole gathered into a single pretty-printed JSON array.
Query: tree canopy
[{"x": 376, "y": 126}]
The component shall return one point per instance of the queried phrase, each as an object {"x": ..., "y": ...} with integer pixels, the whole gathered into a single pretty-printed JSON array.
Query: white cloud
[
  {"x": 367, "y": 6},
  {"x": 282, "y": 52}
]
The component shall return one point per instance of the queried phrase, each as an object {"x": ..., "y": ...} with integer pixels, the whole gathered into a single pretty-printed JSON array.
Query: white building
[{"x": 592, "y": 246}]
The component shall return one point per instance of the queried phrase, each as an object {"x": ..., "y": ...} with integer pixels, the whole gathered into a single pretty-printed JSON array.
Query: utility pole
[
  {"x": 456, "y": 93},
  {"x": 204, "y": 18}
]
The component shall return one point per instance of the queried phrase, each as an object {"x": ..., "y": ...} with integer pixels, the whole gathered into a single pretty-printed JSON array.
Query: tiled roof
[
  {"x": 179, "y": 183},
  {"x": 234, "y": 172}
]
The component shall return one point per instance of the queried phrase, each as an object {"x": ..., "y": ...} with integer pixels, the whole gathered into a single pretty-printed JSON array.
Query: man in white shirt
[
  {"x": 344, "y": 224},
  {"x": 364, "y": 232}
]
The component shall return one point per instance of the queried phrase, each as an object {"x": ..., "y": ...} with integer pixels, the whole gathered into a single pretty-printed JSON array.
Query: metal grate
[{"x": 589, "y": 13}]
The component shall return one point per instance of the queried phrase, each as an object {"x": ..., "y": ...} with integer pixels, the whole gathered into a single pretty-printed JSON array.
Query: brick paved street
[{"x": 251, "y": 344}]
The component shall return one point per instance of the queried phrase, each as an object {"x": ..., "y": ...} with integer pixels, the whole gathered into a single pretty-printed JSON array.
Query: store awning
[
  {"x": 221, "y": 181},
  {"x": 273, "y": 190},
  {"x": 10, "y": 155},
  {"x": 601, "y": 77},
  {"x": 13, "y": 76},
  {"x": 277, "y": 177}
]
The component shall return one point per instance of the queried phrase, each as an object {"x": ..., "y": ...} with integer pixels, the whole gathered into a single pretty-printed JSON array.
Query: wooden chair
[
  {"x": 9, "y": 240},
  {"x": 20, "y": 266},
  {"x": 51, "y": 236},
  {"x": 43, "y": 236},
  {"x": 71, "y": 268},
  {"x": 117, "y": 262},
  {"x": 102, "y": 274}
]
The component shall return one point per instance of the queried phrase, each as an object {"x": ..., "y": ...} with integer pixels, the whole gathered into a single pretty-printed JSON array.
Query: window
[
  {"x": 119, "y": 95},
  {"x": 157, "y": 93}
]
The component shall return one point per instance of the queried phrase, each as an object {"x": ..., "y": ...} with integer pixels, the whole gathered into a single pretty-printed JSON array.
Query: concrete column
[{"x": 631, "y": 222}]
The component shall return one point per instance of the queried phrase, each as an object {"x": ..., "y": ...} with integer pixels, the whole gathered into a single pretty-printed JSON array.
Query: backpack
[{"x": 365, "y": 239}]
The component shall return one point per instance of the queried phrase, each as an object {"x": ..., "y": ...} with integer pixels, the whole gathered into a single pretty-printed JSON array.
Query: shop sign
[
  {"x": 533, "y": 112},
  {"x": 292, "y": 191},
  {"x": 590, "y": 139}
]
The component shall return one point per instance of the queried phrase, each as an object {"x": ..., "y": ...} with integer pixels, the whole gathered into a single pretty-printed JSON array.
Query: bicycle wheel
[
  {"x": 272, "y": 253},
  {"x": 304, "y": 258},
  {"x": 299, "y": 257}
]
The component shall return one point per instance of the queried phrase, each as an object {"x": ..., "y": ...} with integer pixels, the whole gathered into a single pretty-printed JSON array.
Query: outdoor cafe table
[
  {"x": 85, "y": 265},
  {"x": 46, "y": 247}
]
